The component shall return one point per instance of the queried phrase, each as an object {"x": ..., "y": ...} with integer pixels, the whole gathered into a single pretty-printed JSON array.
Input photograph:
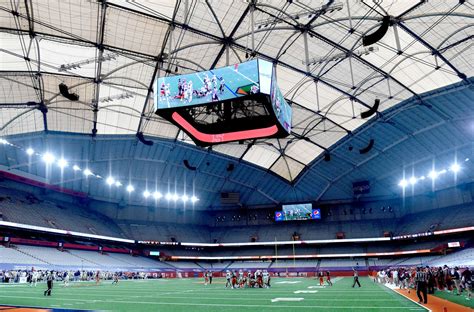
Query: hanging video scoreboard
[
  {"x": 232, "y": 103},
  {"x": 298, "y": 212}
]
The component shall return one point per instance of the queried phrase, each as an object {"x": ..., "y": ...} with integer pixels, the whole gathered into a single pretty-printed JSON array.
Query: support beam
[
  {"x": 230, "y": 37},
  {"x": 433, "y": 50},
  {"x": 98, "y": 69}
]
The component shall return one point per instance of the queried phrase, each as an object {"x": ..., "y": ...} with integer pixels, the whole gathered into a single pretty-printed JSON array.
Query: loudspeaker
[
  {"x": 372, "y": 110},
  {"x": 64, "y": 90},
  {"x": 187, "y": 165},
  {"x": 378, "y": 34},
  {"x": 142, "y": 139},
  {"x": 368, "y": 147}
]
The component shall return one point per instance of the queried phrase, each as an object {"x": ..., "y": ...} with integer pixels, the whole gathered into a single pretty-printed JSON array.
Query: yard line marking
[
  {"x": 287, "y": 299},
  {"x": 305, "y": 291},
  {"x": 313, "y": 287},
  {"x": 234, "y": 305},
  {"x": 288, "y": 282}
]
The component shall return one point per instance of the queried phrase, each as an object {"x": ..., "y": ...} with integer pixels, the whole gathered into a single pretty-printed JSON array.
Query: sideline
[{"x": 435, "y": 304}]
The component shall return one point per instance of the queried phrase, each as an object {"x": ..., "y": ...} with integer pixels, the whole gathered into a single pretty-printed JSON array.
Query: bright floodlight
[
  {"x": 110, "y": 180},
  {"x": 157, "y": 195},
  {"x": 130, "y": 188},
  {"x": 118, "y": 183},
  {"x": 175, "y": 197},
  {"x": 455, "y": 168},
  {"x": 403, "y": 183},
  {"x": 76, "y": 168},
  {"x": 48, "y": 158},
  {"x": 194, "y": 199},
  {"x": 433, "y": 174},
  {"x": 87, "y": 172},
  {"x": 168, "y": 196},
  {"x": 146, "y": 194},
  {"x": 413, "y": 180},
  {"x": 467, "y": 159},
  {"x": 30, "y": 151},
  {"x": 62, "y": 163},
  {"x": 184, "y": 198}
]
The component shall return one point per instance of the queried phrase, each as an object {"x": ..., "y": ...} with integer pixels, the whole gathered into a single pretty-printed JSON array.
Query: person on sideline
[{"x": 356, "y": 278}]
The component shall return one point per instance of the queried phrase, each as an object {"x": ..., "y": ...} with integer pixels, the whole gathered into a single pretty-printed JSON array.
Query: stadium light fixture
[
  {"x": 184, "y": 198},
  {"x": 130, "y": 188},
  {"x": 110, "y": 181},
  {"x": 157, "y": 195},
  {"x": 455, "y": 168},
  {"x": 118, "y": 183},
  {"x": 87, "y": 172},
  {"x": 467, "y": 159},
  {"x": 194, "y": 199},
  {"x": 168, "y": 196},
  {"x": 175, "y": 197},
  {"x": 30, "y": 151},
  {"x": 48, "y": 158},
  {"x": 403, "y": 183},
  {"x": 433, "y": 174},
  {"x": 413, "y": 180},
  {"x": 146, "y": 194},
  {"x": 62, "y": 163},
  {"x": 76, "y": 168}
]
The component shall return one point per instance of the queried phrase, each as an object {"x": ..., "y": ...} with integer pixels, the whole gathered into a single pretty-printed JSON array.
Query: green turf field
[
  {"x": 191, "y": 295},
  {"x": 451, "y": 296}
]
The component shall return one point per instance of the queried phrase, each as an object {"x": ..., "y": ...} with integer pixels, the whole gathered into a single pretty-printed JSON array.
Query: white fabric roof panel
[
  {"x": 69, "y": 33},
  {"x": 303, "y": 151},
  {"x": 287, "y": 168},
  {"x": 261, "y": 155},
  {"x": 134, "y": 32}
]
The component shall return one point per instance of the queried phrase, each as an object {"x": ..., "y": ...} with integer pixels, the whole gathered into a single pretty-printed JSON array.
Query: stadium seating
[
  {"x": 462, "y": 258},
  {"x": 249, "y": 265},
  {"x": 25, "y": 208},
  {"x": 21, "y": 207},
  {"x": 19, "y": 256}
]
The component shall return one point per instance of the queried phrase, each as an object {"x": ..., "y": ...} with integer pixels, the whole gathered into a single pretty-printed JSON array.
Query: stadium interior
[{"x": 371, "y": 170}]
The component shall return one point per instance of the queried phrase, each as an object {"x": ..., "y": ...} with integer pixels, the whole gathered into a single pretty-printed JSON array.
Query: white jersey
[{"x": 228, "y": 275}]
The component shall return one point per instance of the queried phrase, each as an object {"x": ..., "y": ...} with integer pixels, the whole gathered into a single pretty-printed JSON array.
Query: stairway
[
  {"x": 29, "y": 255},
  {"x": 82, "y": 258},
  {"x": 318, "y": 265}
]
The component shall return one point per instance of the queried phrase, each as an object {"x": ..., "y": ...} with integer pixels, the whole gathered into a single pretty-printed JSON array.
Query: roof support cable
[
  {"x": 317, "y": 95},
  {"x": 98, "y": 69},
  {"x": 252, "y": 27},
  {"x": 352, "y": 72},
  {"x": 353, "y": 110},
  {"x": 434, "y": 51},
  {"x": 397, "y": 39},
  {"x": 351, "y": 29},
  {"x": 389, "y": 89},
  {"x": 306, "y": 51}
]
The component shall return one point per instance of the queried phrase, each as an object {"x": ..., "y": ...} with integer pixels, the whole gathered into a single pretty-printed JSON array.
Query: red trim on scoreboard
[{"x": 223, "y": 137}]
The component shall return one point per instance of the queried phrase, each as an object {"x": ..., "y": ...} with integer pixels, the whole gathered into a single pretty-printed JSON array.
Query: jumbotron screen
[
  {"x": 211, "y": 86},
  {"x": 297, "y": 212},
  {"x": 232, "y": 103}
]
